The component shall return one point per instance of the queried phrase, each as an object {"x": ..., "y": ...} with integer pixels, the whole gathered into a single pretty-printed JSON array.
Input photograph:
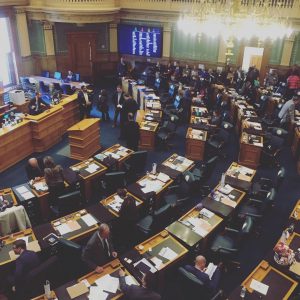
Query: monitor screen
[
  {"x": 57, "y": 75},
  {"x": 140, "y": 40}
]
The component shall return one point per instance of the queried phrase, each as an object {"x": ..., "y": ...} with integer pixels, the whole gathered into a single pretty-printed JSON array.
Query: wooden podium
[{"x": 84, "y": 139}]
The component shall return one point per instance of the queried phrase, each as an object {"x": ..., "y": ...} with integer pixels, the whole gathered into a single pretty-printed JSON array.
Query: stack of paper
[
  {"x": 108, "y": 283},
  {"x": 40, "y": 186},
  {"x": 144, "y": 266},
  {"x": 97, "y": 293},
  {"x": 163, "y": 177},
  {"x": 130, "y": 280},
  {"x": 92, "y": 168},
  {"x": 167, "y": 253},
  {"x": 210, "y": 270},
  {"x": 63, "y": 229},
  {"x": 89, "y": 220},
  {"x": 259, "y": 287},
  {"x": 158, "y": 262},
  {"x": 207, "y": 213},
  {"x": 116, "y": 203}
]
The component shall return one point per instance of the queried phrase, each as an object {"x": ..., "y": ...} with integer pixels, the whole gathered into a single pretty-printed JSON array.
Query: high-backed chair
[
  {"x": 45, "y": 74},
  {"x": 66, "y": 89},
  {"x": 113, "y": 181},
  {"x": 43, "y": 88},
  {"x": 218, "y": 141},
  {"x": 272, "y": 149},
  {"x": 135, "y": 165},
  {"x": 165, "y": 133}
]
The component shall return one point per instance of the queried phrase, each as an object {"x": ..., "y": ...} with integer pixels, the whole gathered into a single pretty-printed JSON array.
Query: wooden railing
[
  {"x": 13, "y": 2},
  {"x": 75, "y": 3}
]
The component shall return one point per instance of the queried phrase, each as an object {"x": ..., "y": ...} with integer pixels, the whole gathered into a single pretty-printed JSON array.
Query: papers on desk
[
  {"x": 63, "y": 229},
  {"x": 163, "y": 177},
  {"x": 77, "y": 290},
  {"x": 200, "y": 226},
  {"x": 116, "y": 203},
  {"x": 259, "y": 287},
  {"x": 115, "y": 155},
  {"x": 130, "y": 280},
  {"x": 92, "y": 168},
  {"x": 89, "y": 220},
  {"x": 207, "y": 213},
  {"x": 227, "y": 189},
  {"x": 152, "y": 186},
  {"x": 97, "y": 293},
  {"x": 40, "y": 186},
  {"x": 158, "y": 262},
  {"x": 167, "y": 253},
  {"x": 144, "y": 266},
  {"x": 25, "y": 193},
  {"x": 108, "y": 283},
  {"x": 244, "y": 170},
  {"x": 210, "y": 270}
]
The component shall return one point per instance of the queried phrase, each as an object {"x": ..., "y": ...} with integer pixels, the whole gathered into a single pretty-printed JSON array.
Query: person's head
[
  {"x": 296, "y": 99},
  {"x": 48, "y": 162},
  {"x": 119, "y": 89},
  {"x": 104, "y": 231},
  {"x": 33, "y": 162},
  {"x": 122, "y": 193},
  {"x": 127, "y": 96},
  {"x": 149, "y": 281},
  {"x": 19, "y": 246},
  {"x": 200, "y": 262},
  {"x": 70, "y": 73},
  {"x": 122, "y": 59},
  {"x": 37, "y": 94},
  {"x": 84, "y": 89},
  {"x": 216, "y": 113}
]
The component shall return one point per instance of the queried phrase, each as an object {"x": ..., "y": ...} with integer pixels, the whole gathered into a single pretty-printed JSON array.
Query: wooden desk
[
  {"x": 75, "y": 223},
  {"x": 84, "y": 138},
  {"x": 147, "y": 135},
  {"x": 295, "y": 214},
  {"x": 280, "y": 285},
  {"x": 110, "y": 203},
  {"x": 153, "y": 104},
  {"x": 43, "y": 297},
  {"x": 15, "y": 144},
  {"x": 178, "y": 163},
  {"x": 195, "y": 144},
  {"x": 241, "y": 172},
  {"x": 294, "y": 243},
  {"x": 70, "y": 111},
  {"x": 197, "y": 111},
  {"x": 250, "y": 152},
  {"x": 152, "y": 246},
  {"x": 33, "y": 245},
  {"x": 137, "y": 190},
  {"x": 115, "y": 155},
  {"x": 296, "y": 143},
  {"x": 112, "y": 269},
  {"x": 88, "y": 176},
  {"x": 148, "y": 115},
  {"x": 8, "y": 195},
  {"x": 190, "y": 233}
]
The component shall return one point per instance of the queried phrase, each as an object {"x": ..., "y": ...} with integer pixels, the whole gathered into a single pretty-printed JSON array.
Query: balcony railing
[
  {"x": 13, "y": 2},
  {"x": 75, "y": 4}
]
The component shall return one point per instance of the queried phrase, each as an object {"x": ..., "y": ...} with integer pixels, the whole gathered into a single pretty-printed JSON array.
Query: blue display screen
[{"x": 140, "y": 40}]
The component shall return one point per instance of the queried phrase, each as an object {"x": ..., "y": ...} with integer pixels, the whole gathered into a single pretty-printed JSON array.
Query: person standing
[
  {"x": 118, "y": 100},
  {"x": 103, "y": 105},
  {"x": 36, "y": 105},
  {"x": 129, "y": 106},
  {"x": 85, "y": 103},
  {"x": 99, "y": 249},
  {"x": 132, "y": 133},
  {"x": 287, "y": 112},
  {"x": 293, "y": 84}
]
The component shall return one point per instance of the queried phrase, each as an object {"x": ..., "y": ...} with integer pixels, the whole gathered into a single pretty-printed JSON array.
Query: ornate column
[
  {"x": 48, "y": 62},
  {"x": 222, "y": 51},
  {"x": 22, "y": 30},
  {"x": 167, "y": 40},
  {"x": 113, "y": 38},
  {"x": 287, "y": 51}
]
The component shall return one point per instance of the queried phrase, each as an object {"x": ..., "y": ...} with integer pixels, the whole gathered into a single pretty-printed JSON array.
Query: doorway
[{"x": 252, "y": 57}]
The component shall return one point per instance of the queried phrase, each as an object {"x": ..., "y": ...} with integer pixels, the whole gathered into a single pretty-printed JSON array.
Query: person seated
[
  {"x": 34, "y": 169},
  {"x": 99, "y": 249},
  {"x": 199, "y": 271},
  {"x": 49, "y": 162},
  {"x": 143, "y": 292},
  {"x": 69, "y": 76},
  {"x": 26, "y": 262},
  {"x": 216, "y": 118},
  {"x": 36, "y": 105}
]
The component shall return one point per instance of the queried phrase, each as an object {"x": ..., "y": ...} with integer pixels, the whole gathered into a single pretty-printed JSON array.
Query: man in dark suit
[
  {"x": 26, "y": 262},
  {"x": 118, "y": 100},
  {"x": 85, "y": 103},
  {"x": 135, "y": 292},
  {"x": 99, "y": 249},
  {"x": 129, "y": 106},
  {"x": 199, "y": 271},
  {"x": 132, "y": 133},
  {"x": 34, "y": 168},
  {"x": 36, "y": 104},
  {"x": 122, "y": 68}
]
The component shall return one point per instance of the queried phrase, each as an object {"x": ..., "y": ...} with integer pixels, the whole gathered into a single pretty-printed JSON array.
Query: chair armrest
[
  {"x": 173, "y": 188},
  {"x": 182, "y": 200},
  {"x": 255, "y": 200},
  {"x": 231, "y": 230},
  {"x": 264, "y": 181},
  {"x": 227, "y": 249},
  {"x": 217, "y": 295},
  {"x": 253, "y": 215}
]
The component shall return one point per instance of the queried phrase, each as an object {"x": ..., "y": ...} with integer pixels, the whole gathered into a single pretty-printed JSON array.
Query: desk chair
[
  {"x": 66, "y": 89},
  {"x": 66, "y": 204},
  {"x": 135, "y": 165},
  {"x": 227, "y": 245},
  {"x": 26, "y": 85},
  {"x": 76, "y": 77},
  {"x": 43, "y": 88},
  {"x": 218, "y": 142},
  {"x": 156, "y": 221},
  {"x": 113, "y": 181},
  {"x": 45, "y": 74},
  {"x": 165, "y": 133},
  {"x": 278, "y": 131},
  {"x": 57, "y": 87},
  {"x": 168, "y": 97},
  {"x": 271, "y": 150},
  {"x": 193, "y": 288}
]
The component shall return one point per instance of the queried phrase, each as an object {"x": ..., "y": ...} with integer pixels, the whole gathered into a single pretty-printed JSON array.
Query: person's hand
[
  {"x": 114, "y": 254},
  {"x": 99, "y": 269},
  {"x": 121, "y": 273},
  {"x": 13, "y": 288},
  {"x": 37, "y": 178}
]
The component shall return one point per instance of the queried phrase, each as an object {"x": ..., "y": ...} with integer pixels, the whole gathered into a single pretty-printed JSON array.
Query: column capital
[
  {"x": 47, "y": 25},
  {"x": 167, "y": 27},
  {"x": 19, "y": 10},
  {"x": 113, "y": 25}
]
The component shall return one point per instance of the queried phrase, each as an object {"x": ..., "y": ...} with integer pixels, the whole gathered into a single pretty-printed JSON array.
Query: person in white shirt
[{"x": 287, "y": 112}]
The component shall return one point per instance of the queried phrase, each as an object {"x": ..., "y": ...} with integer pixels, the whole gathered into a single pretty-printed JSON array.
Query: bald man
[
  {"x": 199, "y": 271},
  {"x": 99, "y": 249},
  {"x": 34, "y": 168}
]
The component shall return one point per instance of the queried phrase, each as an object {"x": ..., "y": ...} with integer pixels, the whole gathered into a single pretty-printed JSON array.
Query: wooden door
[{"x": 82, "y": 51}]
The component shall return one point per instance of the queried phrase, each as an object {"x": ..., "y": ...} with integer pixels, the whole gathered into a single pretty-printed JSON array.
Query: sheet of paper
[
  {"x": 207, "y": 213},
  {"x": 77, "y": 290},
  {"x": 115, "y": 156},
  {"x": 12, "y": 255},
  {"x": 63, "y": 229},
  {"x": 34, "y": 246},
  {"x": 163, "y": 177},
  {"x": 167, "y": 253},
  {"x": 22, "y": 189},
  {"x": 97, "y": 293},
  {"x": 130, "y": 280},
  {"x": 228, "y": 202},
  {"x": 259, "y": 287},
  {"x": 158, "y": 262},
  {"x": 200, "y": 231},
  {"x": 210, "y": 270},
  {"x": 28, "y": 195},
  {"x": 85, "y": 281},
  {"x": 73, "y": 225},
  {"x": 89, "y": 220},
  {"x": 108, "y": 283}
]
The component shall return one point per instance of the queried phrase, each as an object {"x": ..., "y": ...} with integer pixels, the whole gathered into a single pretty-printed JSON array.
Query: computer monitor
[{"x": 57, "y": 75}]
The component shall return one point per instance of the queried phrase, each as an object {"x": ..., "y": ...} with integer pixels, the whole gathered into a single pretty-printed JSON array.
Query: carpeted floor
[{"x": 253, "y": 249}]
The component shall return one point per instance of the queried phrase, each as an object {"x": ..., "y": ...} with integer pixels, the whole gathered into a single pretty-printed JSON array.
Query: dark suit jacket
[
  {"x": 134, "y": 292},
  {"x": 33, "y": 103},
  {"x": 25, "y": 263},
  {"x": 94, "y": 255},
  {"x": 132, "y": 133},
  {"x": 35, "y": 172},
  {"x": 115, "y": 99},
  {"x": 81, "y": 99}
]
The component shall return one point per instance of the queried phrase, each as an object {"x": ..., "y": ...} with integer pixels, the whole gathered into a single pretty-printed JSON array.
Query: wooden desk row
[{"x": 37, "y": 133}]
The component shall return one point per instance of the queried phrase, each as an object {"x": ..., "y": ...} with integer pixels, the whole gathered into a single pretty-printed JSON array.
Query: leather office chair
[
  {"x": 76, "y": 77},
  {"x": 193, "y": 288},
  {"x": 66, "y": 89},
  {"x": 57, "y": 87},
  {"x": 45, "y": 74},
  {"x": 227, "y": 245},
  {"x": 271, "y": 150},
  {"x": 218, "y": 141},
  {"x": 165, "y": 133},
  {"x": 66, "y": 204},
  {"x": 33, "y": 283},
  {"x": 43, "y": 88},
  {"x": 46, "y": 98},
  {"x": 113, "y": 181},
  {"x": 26, "y": 85},
  {"x": 135, "y": 165},
  {"x": 156, "y": 221},
  {"x": 168, "y": 97}
]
